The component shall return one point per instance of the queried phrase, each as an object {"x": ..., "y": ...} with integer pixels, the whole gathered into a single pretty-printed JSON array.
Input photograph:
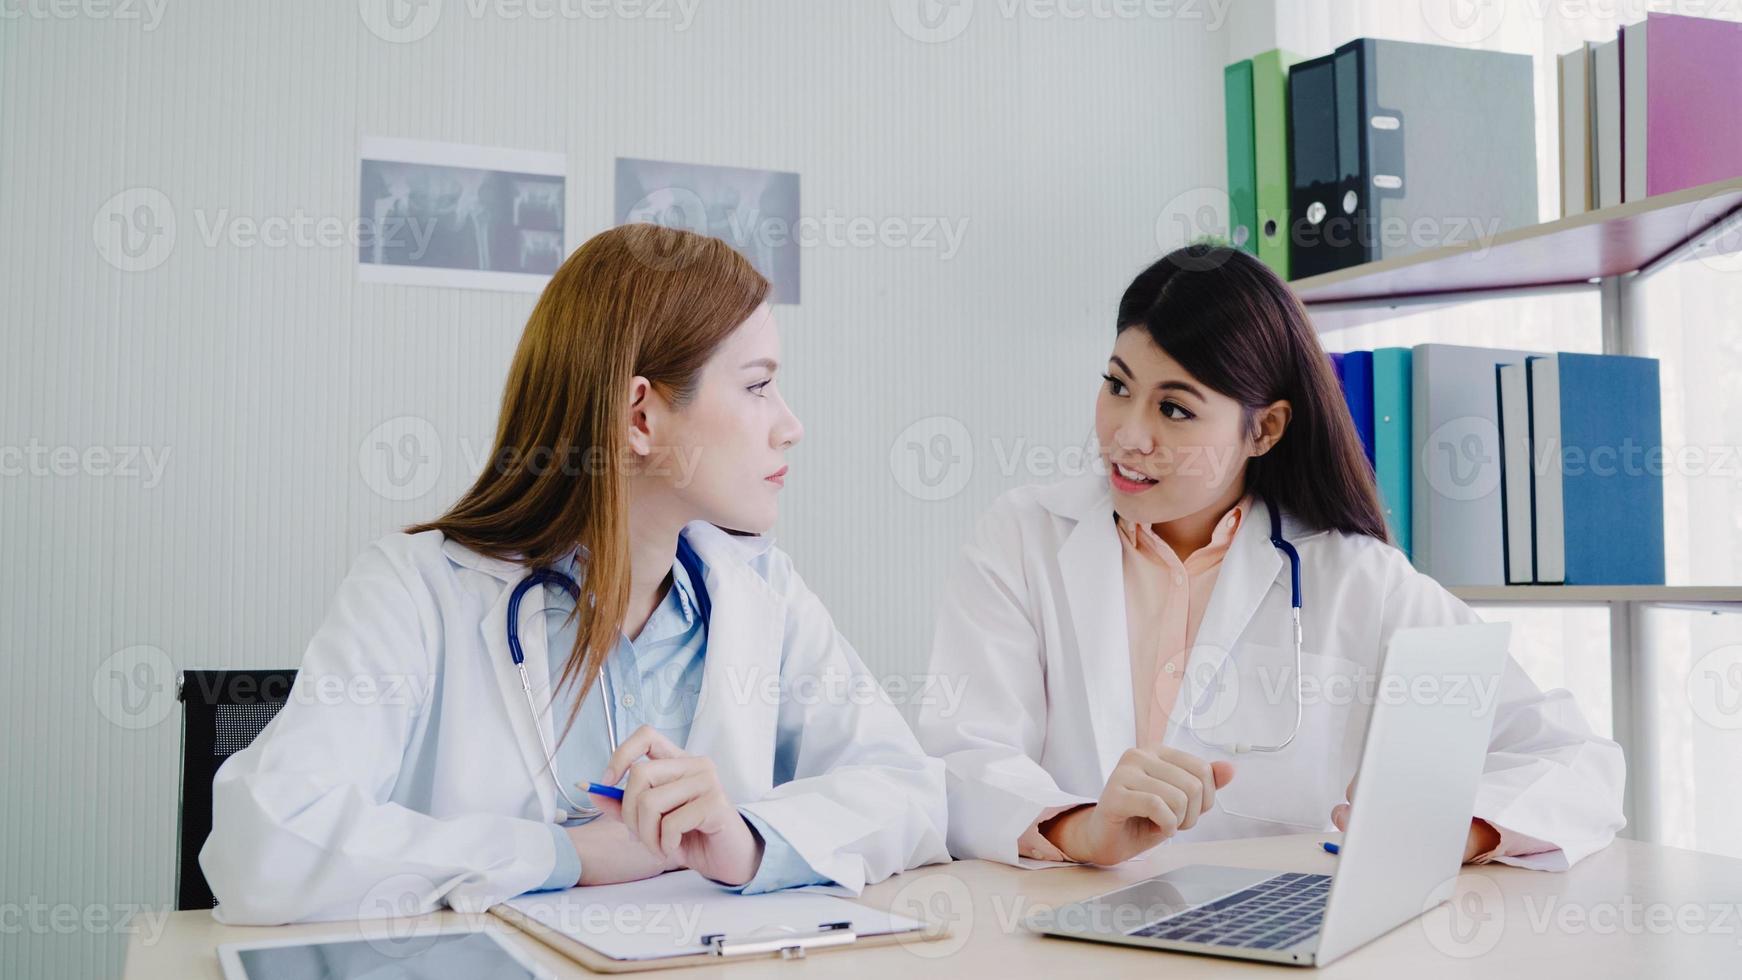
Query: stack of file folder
[
  {"x": 1378, "y": 150},
  {"x": 1256, "y": 93},
  {"x": 1505, "y": 467},
  {"x": 1650, "y": 111}
]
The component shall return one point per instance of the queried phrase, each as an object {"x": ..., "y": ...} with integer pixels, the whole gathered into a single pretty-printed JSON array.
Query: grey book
[
  {"x": 1398, "y": 147},
  {"x": 1548, "y": 509},
  {"x": 1606, "y": 132},
  {"x": 1458, "y": 534}
]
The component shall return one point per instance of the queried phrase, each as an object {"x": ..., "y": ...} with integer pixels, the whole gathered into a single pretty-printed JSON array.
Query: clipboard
[{"x": 579, "y": 921}]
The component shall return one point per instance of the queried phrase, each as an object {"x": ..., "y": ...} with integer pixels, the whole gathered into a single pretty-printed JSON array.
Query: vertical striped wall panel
[{"x": 1053, "y": 144}]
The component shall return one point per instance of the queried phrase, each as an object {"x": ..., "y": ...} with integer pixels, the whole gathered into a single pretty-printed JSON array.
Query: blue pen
[
  {"x": 1329, "y": 847},
  {"x": 608, "y": 792}
]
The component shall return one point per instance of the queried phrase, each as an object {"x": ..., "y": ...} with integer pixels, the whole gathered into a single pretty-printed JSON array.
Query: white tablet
[{"x": 461, "y": 953}]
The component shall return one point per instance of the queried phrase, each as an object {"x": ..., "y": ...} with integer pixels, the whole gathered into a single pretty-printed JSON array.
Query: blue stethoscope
[
  {"x": 692, "y": 565},
  {"x": 1239, "y": 748}
]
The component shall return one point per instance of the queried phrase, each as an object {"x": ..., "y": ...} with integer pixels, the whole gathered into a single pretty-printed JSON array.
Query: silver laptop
[{"x": 1420, "y": 762}]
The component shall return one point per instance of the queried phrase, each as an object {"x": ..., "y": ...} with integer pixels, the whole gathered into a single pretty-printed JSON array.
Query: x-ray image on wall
[
  {"x": 755, "y": 211},
  {"x": 445, "y": 214}
]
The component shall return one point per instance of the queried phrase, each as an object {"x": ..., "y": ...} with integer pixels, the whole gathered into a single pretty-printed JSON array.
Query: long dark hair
[{"x": 1236, "y": 327}]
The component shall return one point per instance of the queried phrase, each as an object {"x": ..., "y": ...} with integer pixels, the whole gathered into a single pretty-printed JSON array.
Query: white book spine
[
  {"x": 1545, "y": 450},
  {"x": 1634, "y": 107},
  {"x": 1606, "y": 114},
  {"x": 1515, "y": 469},
  {"x": 1459, "y": 531},
  {"x": 1575, "y": 135}
]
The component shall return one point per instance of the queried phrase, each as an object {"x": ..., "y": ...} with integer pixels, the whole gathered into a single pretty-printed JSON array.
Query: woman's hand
[
  {"x": 1481, "y": 839},
  {"x": 676, "y": 808},
  {"x": 1149, "y": 797},
  {"x": 610, "y": 853}
]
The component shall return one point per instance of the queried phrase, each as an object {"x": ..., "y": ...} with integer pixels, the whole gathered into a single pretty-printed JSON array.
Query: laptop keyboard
[{"x": 1272, "y": 914}]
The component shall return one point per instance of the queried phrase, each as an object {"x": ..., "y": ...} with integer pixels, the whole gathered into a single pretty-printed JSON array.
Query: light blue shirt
[{"x": 656, "y": 680}]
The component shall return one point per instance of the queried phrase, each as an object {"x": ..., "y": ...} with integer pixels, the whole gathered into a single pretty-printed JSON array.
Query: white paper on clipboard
[{"x": 671, "y": 914}]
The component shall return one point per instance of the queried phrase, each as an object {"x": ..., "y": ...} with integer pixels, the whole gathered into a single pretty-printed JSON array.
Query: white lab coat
[
  {"x": 1033, "y": 624},
  {"x": 421, "y": 783}
]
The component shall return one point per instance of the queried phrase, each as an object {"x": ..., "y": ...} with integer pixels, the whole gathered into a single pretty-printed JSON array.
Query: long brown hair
[
  {"x": 1229, "y": 321},
  {"x": 638, "y": 300}
]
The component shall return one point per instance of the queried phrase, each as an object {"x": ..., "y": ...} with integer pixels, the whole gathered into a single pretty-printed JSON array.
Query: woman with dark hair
[{"x": 1128, "y": 637}]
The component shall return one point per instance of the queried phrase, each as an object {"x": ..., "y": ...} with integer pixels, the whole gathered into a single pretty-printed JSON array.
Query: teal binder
[
  {"x": 1242, "y": 163},
  {"x": 1391, "y": 439}
]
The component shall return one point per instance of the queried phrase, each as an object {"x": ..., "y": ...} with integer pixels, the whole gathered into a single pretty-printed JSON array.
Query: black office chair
[{"x": 222, "y": 711}]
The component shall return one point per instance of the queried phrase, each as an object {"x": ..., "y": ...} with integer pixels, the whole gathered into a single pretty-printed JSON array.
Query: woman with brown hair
[{"x": 607, "y": 573}]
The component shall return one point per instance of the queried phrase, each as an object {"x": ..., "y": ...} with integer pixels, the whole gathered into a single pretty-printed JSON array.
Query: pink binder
[{"x": 1692, "y": 128}]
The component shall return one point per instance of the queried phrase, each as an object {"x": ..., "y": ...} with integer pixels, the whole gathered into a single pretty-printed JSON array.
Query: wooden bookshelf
[
  {"x": 1569, "y": 253},
  {"x": 1572, "y": 253},
  {"x": 1607, "y": 252},
  {"x": 1691, "y": 595}
]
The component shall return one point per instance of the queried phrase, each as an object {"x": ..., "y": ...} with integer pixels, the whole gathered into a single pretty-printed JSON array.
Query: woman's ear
[
  {"x": 1268, "y": 425},
  {"x": 641, "y": 410}
]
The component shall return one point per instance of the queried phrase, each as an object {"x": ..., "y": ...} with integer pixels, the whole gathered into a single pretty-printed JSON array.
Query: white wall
[{"x": 261, "y": 371}]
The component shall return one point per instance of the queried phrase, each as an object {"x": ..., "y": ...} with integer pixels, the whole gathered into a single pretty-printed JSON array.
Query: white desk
[{"x": 1634, "y": 910}]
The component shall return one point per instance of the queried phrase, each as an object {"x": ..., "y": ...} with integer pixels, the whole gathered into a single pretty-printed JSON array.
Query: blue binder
[
  {"x": 1612, "y": 469},
  {"x": 1358, "y": 392}
]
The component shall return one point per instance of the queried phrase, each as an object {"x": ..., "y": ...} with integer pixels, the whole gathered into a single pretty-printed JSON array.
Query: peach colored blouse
[{"x": 1164, "y": 602}]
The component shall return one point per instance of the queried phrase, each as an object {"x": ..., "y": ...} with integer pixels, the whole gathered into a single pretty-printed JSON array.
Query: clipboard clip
[{"x": 789, "y": 947}]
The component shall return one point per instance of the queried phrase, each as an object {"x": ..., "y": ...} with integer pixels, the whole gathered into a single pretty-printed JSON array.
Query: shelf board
[
  {"x": 1697, "y": 595},
  {"x": 1566, "y": 253}
]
